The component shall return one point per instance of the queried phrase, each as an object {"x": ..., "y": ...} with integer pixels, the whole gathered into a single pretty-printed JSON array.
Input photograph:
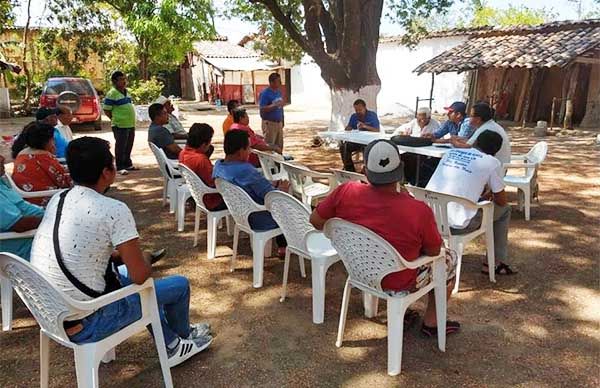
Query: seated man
[
  {"x": 158, "y": 134},
  {"x": 91, "y": 226},
  {"x": 196, "y": 156},
  {"x": 482, "y": 119},
  {"x": 407, "y": 224},
  {"x": 16, "y": 215},
  {"x": 257, "y": 142},
  {"x": 236, "y": 169},
  {"x": 49, "y": 116},
  {"x": 65, "y": 117},
  {"x": 231, "y": 106},
  {"x": 174, "y": 125},
  {"x": 362, "y": 120},
  {"x": 457, "y": 123},
  {"x": 421, "y": 125},
  {"x": 473, "y": 173}
]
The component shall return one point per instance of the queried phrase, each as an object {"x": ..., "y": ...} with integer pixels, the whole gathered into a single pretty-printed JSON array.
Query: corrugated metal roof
[
  {"x": 223, "y": 49},
  {"x": 240, "y": 64},
  {"x": 546, "y": 45}
]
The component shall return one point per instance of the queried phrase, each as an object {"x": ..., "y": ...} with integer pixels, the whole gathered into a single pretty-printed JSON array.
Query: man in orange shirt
[
  {"x": 231, "y": 106},
  {"x": 196, "y": 156}
]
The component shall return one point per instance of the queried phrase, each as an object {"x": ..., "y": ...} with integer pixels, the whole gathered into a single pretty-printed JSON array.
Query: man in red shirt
[
  {"x": 406, "y": 223},
  {"x": 196, "y": 156},
  {"x": 240, "y": 122}
]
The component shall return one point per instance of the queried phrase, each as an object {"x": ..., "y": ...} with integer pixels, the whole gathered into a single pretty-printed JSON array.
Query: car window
[{"x": 81, "y": 87}]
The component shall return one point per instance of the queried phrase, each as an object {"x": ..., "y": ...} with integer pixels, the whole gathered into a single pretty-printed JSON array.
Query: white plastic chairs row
[
  {"x": 368, "y": 258},
  {"x": 51, "y": 308},
  {"x": 270, "y": 163},
  {"x": 438, "y": 202},
  {"x": 526, "y": 183},
  {"x": 304, "y": 184}
]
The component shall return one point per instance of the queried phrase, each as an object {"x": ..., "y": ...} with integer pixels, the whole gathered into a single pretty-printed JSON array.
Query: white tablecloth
[{"x": 365, "y": 137}]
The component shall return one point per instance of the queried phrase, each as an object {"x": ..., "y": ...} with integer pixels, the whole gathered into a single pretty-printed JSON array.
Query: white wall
[{"x": 399, "y": 85}]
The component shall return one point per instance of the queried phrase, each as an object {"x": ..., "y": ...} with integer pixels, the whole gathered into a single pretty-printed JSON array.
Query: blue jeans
[
  {"x": 263, "y": 221},
  {"x": 173, "y": 297}
]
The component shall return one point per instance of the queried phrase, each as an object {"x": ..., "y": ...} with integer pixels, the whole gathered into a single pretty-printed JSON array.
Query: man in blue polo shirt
[
  {"x": 271, "y": 111},
  {"x": 456, "y": 125},
  {"x": 362, "y": 120}
]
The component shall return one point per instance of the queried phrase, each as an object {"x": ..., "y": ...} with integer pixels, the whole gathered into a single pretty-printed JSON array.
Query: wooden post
[
  {"x": 522, "y": 95},
  {"x": 431, "y": 91},
  {"x": 568, "y": 122},
  {"x": 552, "y": 112}
]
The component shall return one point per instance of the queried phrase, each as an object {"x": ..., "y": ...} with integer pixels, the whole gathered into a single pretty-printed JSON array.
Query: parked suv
[{"x": 76, "y": 93}]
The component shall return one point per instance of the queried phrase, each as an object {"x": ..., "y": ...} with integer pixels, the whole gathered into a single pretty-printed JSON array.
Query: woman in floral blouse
[{"x": 36, "y": 168}]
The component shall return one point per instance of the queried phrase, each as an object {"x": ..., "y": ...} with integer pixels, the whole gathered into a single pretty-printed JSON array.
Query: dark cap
[
  {"x": 457, "y": 106},
  {"x": 42, "y": 113}
]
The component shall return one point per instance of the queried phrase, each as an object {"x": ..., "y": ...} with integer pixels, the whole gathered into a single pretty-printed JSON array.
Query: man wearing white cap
[
  {"x": 174, "y": 126},
  {"x": 409, "y": 225},
  {"x": 421, "y": 125}
]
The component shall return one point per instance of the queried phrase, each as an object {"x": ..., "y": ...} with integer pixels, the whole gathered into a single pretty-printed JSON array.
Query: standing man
[
  {"x": 271, "y": 111},
  {"x": 119, "y": 108},
  {"x": 362, "y": 120}
]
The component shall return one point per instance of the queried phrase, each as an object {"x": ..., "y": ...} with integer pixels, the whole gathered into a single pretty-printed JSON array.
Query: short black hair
[
  {"x": 21, "y": 140},
  {"x": 115, "y": 75},
  {"x": 87, "y": 157},
  {"x": 232, "y": 104},
  {"x": 360, "y": 101},
  {"x": 489, "y": 142},
  {"x": 273, "y": 77},
  {"x": 39, "y": 135},
  {"x": 154, "y": 110},
  {"x": 200, "y": 133},
  {"x": 483, "y": 110},
  {"x": 235, "y": 140},
  {"x": 238, "y": 114}
]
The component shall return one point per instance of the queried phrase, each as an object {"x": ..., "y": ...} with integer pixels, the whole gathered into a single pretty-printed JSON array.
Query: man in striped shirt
[{"x": 119, "y": 108}]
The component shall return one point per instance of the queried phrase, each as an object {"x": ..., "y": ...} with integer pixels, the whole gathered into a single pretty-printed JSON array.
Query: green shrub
[{"x": 144, "y": 92}]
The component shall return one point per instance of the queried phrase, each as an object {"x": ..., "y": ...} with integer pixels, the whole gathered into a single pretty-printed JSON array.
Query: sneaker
[
  {"x": 187, "y": 348},
  {"x": 131, "y": 168},
  {"x": 201, "y": 329},
  {"x": 123, "y": 172}
]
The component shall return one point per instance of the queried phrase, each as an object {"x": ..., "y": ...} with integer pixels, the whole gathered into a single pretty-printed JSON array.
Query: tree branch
[
  {"x": 311, "y": 24},
  {"x": 351, "y": 36},
  {"x": 286, "y": 22},
  {"x": 329, "y": 29}
]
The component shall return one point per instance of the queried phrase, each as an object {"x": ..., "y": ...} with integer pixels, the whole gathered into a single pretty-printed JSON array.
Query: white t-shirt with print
[
  {"x": 464, "y": 172},
  {"x": 503, "y": 155},
  {"x": 91, "y": 227}
]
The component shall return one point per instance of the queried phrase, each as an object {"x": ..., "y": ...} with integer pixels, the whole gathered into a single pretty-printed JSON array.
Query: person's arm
[
  {"x": 316, "y": 220},
  {"x": 138, "y": 268},
  {"x": 180, "y": 135},
  {"x": 496, "y": 185},
  {"x": 108, "y": 113},
  {"x": 367, "y": 127},
  {"x": 258, "y": 183},
  {"x": 431, "y": 240},
  {"x": 60, "y": 177},
  {"x": 500, "y": 198},
  {"x": 25, "y": 224},
  {"x": 442, "y": 131},
  {"x": 459, "y": 142},
  {"x": 173, "y": 148},
  {"x": 326, "y": 209},
  {"x": 267, "y": 105},
  {"x": 352, "y": 122}
]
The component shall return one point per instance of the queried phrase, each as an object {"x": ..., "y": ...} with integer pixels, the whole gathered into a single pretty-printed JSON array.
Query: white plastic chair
[
  {"x": 174, "y": 189},
  {"x": 304, "y": 241},
  {"x": 270, "y": 163},
  {"x": 368, "y": 258},
  {"x": 527, "y": 182},
  {"x": 51, "y": 307},
  {"x": 29, "y": 194},
  {"x": 302, "y": 184},
  {"x": 6, "y": 292},
  {"x": 240, "y": 207},
  {"x": 343, "y": 176},
  {"x": 198, "y": 190},
  {"x": 438, "y": 202}
]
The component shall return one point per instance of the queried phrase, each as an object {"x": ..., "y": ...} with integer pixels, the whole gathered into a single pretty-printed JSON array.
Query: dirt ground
[{"x": 539, "y": 328}]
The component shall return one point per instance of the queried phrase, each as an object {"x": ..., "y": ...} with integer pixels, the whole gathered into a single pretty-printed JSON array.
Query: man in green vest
[{"x": 119, "y": 108}]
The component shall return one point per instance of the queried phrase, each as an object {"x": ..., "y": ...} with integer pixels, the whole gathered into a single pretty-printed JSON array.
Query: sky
[{"x": 236, "y": 29}]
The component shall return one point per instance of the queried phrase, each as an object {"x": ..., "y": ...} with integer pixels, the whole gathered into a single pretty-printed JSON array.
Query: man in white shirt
[
  {"x": 421, "y": 125},
  {"x": 96, "y": 232},
  {"x": 174, "y": 125},
  {"x": 65, "y": 117},
  {"x": 473, "y": 173},
  {"x": 482, "y": 119}
]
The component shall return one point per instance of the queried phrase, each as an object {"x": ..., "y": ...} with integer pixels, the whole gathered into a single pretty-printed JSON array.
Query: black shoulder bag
[
  {"x": 411, "y": 141},
  {"x": 110, "y": 277}
]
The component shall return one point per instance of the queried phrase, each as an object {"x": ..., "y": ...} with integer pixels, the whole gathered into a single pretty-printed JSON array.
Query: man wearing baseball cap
[
  {"x": 50, "y": 116},
  {"x": 457, "y": 123},
  {"x": 409, "y": 225},
  {"x": 174, "y": 125}
]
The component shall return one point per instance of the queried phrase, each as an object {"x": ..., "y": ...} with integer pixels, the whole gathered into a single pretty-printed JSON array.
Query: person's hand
[
  {"x": 283, "y": 186},
  {"x": 277, "y": 149},
  {"x": 210, "y": 151},
  {"x": 456, "y": 141},
  {"x": 359, "y": 125},
  {"x": 427, "y": 135}
]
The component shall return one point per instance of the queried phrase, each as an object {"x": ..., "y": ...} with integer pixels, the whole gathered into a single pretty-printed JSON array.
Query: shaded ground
[{"x": 539, "y": 328}]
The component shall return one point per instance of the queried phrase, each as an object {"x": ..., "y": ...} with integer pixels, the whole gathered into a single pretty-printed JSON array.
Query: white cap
[
  {"x": 162, "y": 100},
  {"x": 383, "y": 164}
]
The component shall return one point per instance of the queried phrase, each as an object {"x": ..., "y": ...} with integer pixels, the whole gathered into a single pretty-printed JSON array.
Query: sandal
[
  {"x": 451, "y": 328},
  {"x": 504, "y": 269},
  {"x": 410, "y": 317},
  {"x": 486, "y": 269},
  {"x": 157, "y": 255}
]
